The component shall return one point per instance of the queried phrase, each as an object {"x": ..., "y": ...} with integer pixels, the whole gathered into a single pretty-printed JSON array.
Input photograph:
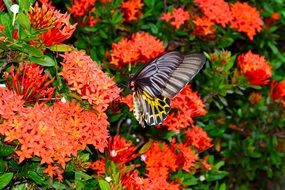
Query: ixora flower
[
  {"x": 277, "y": 91},
  {"x": 248, "y": 20},
  {"x": 84, "y": 76},
  {"x": 61, "y": 28},
  {"x": 28, "y": 80},
  {"x": 176, "y": 18},
  {"x": 42, "y": 17},
  {"x": 120, "y": 151},
  {"x": 217, "y": 11},
  {"x": 81, "y": 7},
  {"x": 136, "y": 49},
  {"x": 185, "y": 106},
  {"x": 132, "y": 9},
  {"x": 204, "y": 27},
  {"x": 2, "y": 6},
  {"x": 53, "y": 134},
  {"x": 256, "y": 69}
]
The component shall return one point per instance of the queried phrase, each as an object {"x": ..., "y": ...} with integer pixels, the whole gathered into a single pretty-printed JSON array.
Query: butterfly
[{"x": 158, "y": 81}]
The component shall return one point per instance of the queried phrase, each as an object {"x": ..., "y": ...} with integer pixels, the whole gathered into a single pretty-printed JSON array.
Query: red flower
[
  {"x": 277, "y": 91},
  {"x": 132, "y": 181},
  {"x": 198, "y": 138},
  {"x": 30, "y": 82},
  {"x": 176, "y": 18},
  {"x": 55, "y": 133},
  {"x": 186, "y": 105},
  {"x": 99, "y": 166},
  {"x": 132, "y": 9},
  {"x": 129, "y": 100},
  {"x": 120, "y": 151},
  {"x": 256, "y": 69},
  {"x": 217, "y": 11},
  {"x": 186, "y": 157},
  {"x": 246, "y": 19},
  {"x": 86, "y": 78},
  {"x": 42, "y": 17},
  {"x": 204, "y": 27},
  {"x": 80, "y": 7},
  {"x": 10, "y": 103},
  {"x": 137, "y": 49},
  {"x": 61, "y": 31},
  {"x": 47, "y": 3}
]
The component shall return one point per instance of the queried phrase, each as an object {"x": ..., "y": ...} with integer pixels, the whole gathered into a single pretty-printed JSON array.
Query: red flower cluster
[
  {"x": 11, "y": 103},
  {"x": 198, "y": 138},
  {"x": 176, "y": 18},
  {"x": 204, "y": 27},
  {"x": 137, "y": 49},
  {"x": 30, "y": 82},
  {"x": 59, "y": 28},
  {"x": 246, "y": 19},
  {"x": 240, "y": 16},
  {"x": 185, "y": 106},
  {"x": 256, "y": 69},
  {"x": 42, "y": 17},
  {"x": 132, "y": 9},
  {"x": 80, "y": 7},
  {"x": 277, "y": 91},
  {"x": 120, "y": 151},
  {"x": 47, "y": 3},
  {"x": 52, "y": 133},
  {"x": 217, "y": 11},
  {"x": 86, "y": 78}
]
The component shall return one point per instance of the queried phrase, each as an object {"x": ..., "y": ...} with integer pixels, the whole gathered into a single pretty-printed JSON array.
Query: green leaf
[
  {"x": 104, "y": 185},
  {"x": 24, "y": 21},
  {"x": 3, "y": 165},
  {"x": 5, "y": 179},
  {"x": 32, "y": 51},
  {"x": 44, "y": 61},
  {"x": 230, "y": 63},
  {"x": 223, "y": 187},
  {"x": 61, "y": 48},
  {"x": 23, "y": 186},
  {"x": 24, "y": 5},
  {"x": 6, "y": 150},
  {"x": 216, "y": 176},
  {"x": 82, "y": 176},
  {"x": 40, "y": 180},
  {"x": 6, "y": 21}
]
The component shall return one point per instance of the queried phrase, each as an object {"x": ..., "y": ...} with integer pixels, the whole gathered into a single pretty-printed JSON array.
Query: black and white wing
[{"x": 168, "y": 74}]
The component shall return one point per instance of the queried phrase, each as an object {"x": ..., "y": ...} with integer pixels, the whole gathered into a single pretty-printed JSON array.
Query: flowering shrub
[{"x": 66, "y": 111}]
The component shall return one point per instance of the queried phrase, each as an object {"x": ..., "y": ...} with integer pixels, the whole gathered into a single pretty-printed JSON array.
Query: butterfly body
[{"x": 157, "y": 82}]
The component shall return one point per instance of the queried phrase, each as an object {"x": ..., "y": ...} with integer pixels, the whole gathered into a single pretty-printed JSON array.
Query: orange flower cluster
[
  {"x": 30, "y": 82},
  {"x": 246, "y": 19},
  {"x": 277, "y": 91},
  {"x": 240, "y": 16},
  {"x": 137, "y": 49},
  {"x": 176, "y": 18},
  {"x": 204, "y": 27},
  {"x": 256, "y": 69},
  {"x": 80, "y": 7},
  {"x": 59, "y": 27},
  {"x": 132, "y": 9},
  {"x": 198, "y": 138},
  {"x": 185, "y": 106},
  {"x": 217, "y": 11},
  {"x": 42, "y": 17},
  {"x": 129, "y": 100},
  {"x": 162, "y": 159},
  {"x": 54, "y": 133},
  {"x": 11, "y": 103},
  {"x": 84, "y": 76}
]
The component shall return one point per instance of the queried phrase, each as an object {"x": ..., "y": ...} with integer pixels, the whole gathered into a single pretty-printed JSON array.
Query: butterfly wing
[
  {"x": 150, "y": 110},
  {"x": 168, "y": 74}
]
